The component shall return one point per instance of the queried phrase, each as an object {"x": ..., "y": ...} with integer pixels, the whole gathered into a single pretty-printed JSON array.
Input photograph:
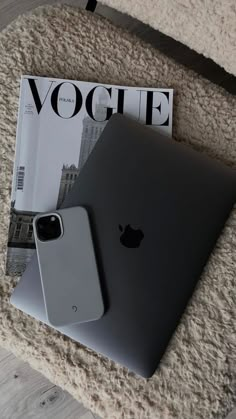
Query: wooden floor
[{"x": 24, "y": 393}]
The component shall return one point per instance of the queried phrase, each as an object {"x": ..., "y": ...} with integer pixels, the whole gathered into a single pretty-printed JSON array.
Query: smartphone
[{"x": 69, "y": 273}]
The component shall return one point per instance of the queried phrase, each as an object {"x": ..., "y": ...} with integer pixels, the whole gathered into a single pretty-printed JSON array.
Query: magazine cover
[{"x": 59, "y": 122}]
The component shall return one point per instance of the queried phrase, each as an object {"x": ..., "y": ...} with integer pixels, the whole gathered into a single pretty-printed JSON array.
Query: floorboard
[{"x": 27, "y": 394}]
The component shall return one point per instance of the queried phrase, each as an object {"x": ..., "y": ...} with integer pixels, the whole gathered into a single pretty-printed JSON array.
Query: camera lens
[{"x": 48, "y": 227}]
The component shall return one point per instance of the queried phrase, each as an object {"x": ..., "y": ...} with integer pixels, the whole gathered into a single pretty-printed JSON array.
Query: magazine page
[{"x": 59, "y": 123}]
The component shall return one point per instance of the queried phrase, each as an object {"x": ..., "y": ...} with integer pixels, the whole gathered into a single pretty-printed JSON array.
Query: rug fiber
[{"x": 196, "y": 378}]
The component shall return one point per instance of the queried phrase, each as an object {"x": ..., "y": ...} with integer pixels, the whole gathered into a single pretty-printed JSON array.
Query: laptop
[{"x": 156, "y": 210}]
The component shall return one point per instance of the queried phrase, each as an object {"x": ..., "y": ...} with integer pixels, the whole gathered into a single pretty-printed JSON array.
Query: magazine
[{"x": 59, "y": 122}]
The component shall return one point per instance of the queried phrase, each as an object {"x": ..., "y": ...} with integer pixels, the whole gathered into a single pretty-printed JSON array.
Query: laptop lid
[{"x": 156, "y": 209}]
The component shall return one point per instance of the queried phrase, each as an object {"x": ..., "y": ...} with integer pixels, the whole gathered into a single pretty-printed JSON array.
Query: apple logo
[{"x": 130, "y": 237}]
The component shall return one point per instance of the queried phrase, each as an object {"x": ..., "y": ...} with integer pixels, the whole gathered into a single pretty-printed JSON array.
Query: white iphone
[{"x": 68, "y": 268}]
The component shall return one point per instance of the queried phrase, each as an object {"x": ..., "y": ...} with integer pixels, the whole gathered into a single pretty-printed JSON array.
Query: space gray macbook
[{"x": 156, "y": 210}]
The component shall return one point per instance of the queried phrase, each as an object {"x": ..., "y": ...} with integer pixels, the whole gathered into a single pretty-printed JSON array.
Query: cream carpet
[
  {"x": 208, "y": 27},
  {"x": 196, "y": 378}
]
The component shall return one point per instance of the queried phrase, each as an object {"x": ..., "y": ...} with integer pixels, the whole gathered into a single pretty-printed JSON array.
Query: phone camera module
[{"x": 48, "y": 227}]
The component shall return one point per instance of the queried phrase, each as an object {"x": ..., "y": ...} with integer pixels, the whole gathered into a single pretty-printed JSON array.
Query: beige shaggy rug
[
  {"x": 208, "y": 27},
  {"x": 196, "y": 378}
]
